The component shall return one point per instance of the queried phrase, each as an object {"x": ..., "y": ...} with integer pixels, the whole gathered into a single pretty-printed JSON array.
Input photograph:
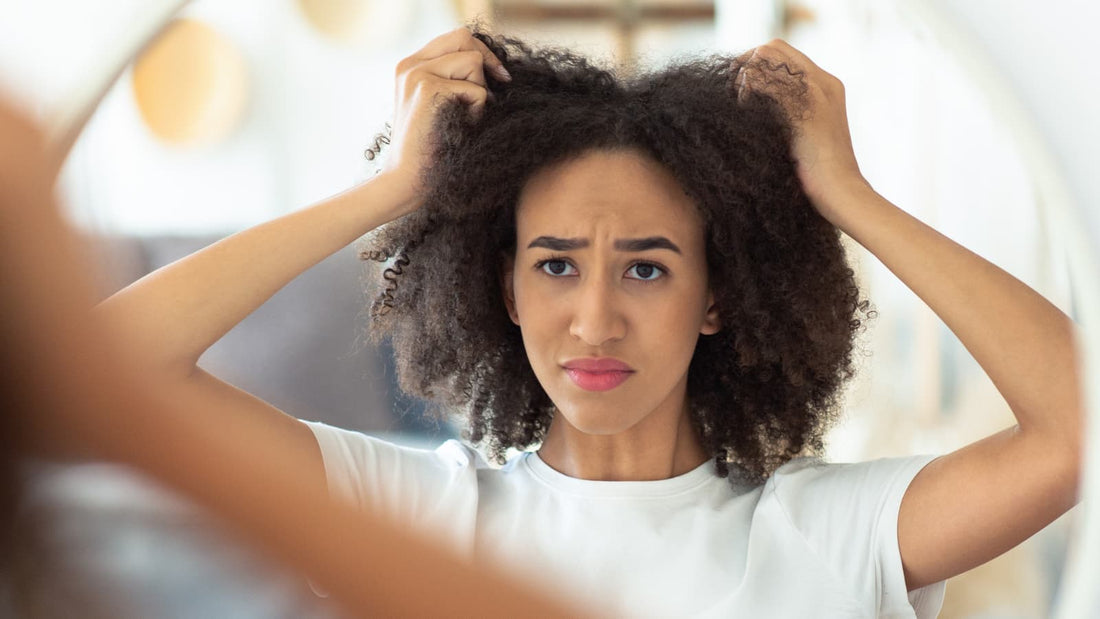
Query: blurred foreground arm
[{"x": 81, "y": 391}]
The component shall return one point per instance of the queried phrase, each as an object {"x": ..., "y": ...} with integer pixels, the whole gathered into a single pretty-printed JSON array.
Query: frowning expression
[{"x": 610, "y": 262}]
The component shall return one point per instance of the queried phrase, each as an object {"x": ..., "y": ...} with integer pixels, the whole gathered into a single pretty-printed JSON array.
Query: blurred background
[{"x": 244, "y": 110}]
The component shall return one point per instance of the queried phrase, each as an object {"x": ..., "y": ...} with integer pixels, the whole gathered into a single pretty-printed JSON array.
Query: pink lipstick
[{"x": 597, "y": 374}]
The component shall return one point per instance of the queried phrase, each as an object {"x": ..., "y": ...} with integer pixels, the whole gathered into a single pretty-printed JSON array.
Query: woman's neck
[{"x": 658, "y": 447}]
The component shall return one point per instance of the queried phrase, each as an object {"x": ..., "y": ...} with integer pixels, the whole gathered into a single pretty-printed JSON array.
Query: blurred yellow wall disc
[
  {"x": 343, "y": 20},
  {"x": 371, "y": 24},
  {"x": 191, "y": 85}
]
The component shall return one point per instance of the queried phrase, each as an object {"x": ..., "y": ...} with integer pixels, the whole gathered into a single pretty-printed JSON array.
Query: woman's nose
[{"x": 596, "y": 315}]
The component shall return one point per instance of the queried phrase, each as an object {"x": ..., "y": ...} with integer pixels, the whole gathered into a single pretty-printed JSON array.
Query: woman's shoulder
[
  {"x": 819, "y": 497},
  {"x": 847, "y": 513},
  {"x": 367, "y": 467},
  {"x": 813, "y": 471},
  {"x": 352, "y": 445}
]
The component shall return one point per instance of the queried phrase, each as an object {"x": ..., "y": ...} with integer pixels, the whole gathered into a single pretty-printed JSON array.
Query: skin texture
[{"x": 595, "y": 302}]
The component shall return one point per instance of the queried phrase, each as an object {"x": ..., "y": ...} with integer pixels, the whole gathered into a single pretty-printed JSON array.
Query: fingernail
[{"x": 501, "y": 71}]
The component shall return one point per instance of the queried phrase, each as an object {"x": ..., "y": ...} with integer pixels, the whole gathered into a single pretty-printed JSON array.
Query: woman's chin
[{"x": 595, "y": 423}]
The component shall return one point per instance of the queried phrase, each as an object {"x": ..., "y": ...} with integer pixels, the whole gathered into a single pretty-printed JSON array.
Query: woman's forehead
[{"x": 621, "y": 190}]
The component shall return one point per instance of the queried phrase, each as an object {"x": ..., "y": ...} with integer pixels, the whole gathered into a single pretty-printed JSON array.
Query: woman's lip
[
  {"x": 597, "y": 364},
  {"x": 597, "y": 381}
]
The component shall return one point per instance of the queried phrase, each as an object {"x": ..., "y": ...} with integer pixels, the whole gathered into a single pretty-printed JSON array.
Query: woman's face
[{"x": 578, "y": 287}]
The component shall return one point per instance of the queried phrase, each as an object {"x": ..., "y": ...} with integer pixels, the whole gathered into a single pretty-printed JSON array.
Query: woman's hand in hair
[
  {"x": 822, "y": 142},
  {"x": 450, "y": 65}
]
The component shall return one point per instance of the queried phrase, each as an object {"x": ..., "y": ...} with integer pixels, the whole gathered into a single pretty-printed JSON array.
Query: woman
[{"x": 645, "y": 278}]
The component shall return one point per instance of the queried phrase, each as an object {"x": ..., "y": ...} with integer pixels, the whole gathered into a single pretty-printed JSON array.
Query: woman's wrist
[
  {"x": 839, "y": 200},
  {"x": 391, "y": 194}
]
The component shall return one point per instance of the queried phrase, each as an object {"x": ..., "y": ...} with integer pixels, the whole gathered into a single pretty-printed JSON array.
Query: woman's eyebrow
[{"x": 650, "y": 242}]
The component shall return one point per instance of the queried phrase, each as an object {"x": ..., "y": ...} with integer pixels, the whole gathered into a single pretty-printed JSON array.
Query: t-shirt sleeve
[
  {"x": 431, "y": 490},
  {"x": 848, "y": 512}
]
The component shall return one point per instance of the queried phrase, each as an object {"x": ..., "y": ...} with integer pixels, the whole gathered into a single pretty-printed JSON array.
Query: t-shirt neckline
[{"x": 598, "y": 488}]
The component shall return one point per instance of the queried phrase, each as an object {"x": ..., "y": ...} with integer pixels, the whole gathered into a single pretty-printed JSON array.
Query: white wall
[{"x": 1048, "y": 53}]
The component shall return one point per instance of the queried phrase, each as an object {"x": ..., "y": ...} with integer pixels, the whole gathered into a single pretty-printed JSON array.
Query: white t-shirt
[{"x": 816, "y": 539}]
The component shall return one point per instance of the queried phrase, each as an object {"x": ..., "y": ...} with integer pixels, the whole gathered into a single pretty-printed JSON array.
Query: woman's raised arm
[
  {"x": 171, "y": 316},
  {"x": 969, "y": 506},
  {"x": 175, "y": 313}
]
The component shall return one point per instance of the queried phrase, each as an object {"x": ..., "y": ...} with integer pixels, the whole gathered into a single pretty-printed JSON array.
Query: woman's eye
[
  {"x": 647, "y": 272},
  {"x": 557, "y": 267},
  {"x": 644, "y": 271}
]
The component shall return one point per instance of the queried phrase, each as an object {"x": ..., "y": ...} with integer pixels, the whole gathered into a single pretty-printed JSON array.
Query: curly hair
[{"x": 761, "y": 391}]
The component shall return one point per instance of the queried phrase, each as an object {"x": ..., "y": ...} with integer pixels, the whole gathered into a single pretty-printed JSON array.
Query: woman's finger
[
  {"x": 491, "y": 61},
  {"x": 776, "y": 56},
  {"x": 464, "y": 65},
  {"x": 774, "y": 62},
  {"x": 471, "y": 94},
  {"x": 459, "y": 39},
  {"x": 461, "y": 74},
  {"x": 821, "y": 82},
  {"x": 792, "y": 53},
  {"x": 742, "y": 79}
]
